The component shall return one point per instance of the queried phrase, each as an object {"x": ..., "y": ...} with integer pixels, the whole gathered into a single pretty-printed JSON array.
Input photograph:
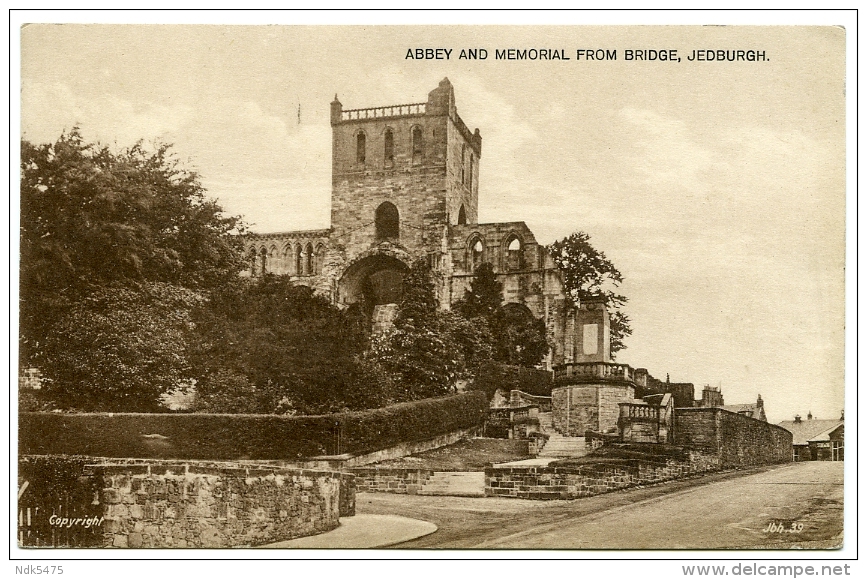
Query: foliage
[
  {"x": 427, "y": 350},
  {"x": 118, "y": 348},
  {"x": 494, "y": 375},
  {"x": 111, "y": 244},
  {"x": 587, "y": 273},
  {"x": 266, "y": 345},
  {"x": 515, "y": 336},
  {"x": 484, "y": 296},
  {"x": 520, "y": 338},
  {"x": 246, "y": 436}
]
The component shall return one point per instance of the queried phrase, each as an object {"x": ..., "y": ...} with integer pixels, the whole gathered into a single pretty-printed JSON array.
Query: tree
[
  {"x": 267, "y": 345},
  {"x": 588, "y": 273},
  {"x": 420, "y": 351},
  {"x": 118, "y": 349},
  {"x": 131, "y": 229},
  {"x": 484, "y": 296},
  {"x": 519, "y": 337},
  {"x": 516, "y": 337}
]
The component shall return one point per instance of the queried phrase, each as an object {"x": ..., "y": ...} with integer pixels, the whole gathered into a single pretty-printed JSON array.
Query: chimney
[
  {"x": 760, "y": 403},
  {"x": 797, "y": 418},
  {"x": 809, "y": 415}
]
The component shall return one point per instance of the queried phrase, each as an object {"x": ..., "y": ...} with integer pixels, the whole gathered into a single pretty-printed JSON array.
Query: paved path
[
  {"x": 362, "y": 532},
  {"x": 724, "y": 510}
]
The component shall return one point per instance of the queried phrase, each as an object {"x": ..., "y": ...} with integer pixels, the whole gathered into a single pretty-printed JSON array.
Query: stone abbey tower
[{"x": 405, "y": 186}]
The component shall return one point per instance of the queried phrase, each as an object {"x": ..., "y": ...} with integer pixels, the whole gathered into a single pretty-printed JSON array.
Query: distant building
[
  {"x": 711, "y": 397},
  {"x": 815, "y": 439},
  {"x": 756, "y": 410}
]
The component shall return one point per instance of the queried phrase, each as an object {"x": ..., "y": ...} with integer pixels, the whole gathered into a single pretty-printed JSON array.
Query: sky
[{"x": 717, "y": 189}]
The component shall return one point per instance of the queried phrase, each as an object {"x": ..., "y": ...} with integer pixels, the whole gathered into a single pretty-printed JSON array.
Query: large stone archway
[{"x": 373, "y": 280}]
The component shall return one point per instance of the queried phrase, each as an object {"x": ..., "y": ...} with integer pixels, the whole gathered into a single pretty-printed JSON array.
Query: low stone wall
[
  {"x": 404, "y": 481},
  {"x": 343, "y": 461},
  {"x": 518, "y": 398},
  {"x": 736, "y": 439},
  {"x": 192, "y": 504},
  {"x": 572, "y": 482}
]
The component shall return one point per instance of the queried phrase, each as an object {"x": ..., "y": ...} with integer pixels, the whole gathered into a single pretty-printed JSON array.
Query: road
[{"x": 719, "y": 511}]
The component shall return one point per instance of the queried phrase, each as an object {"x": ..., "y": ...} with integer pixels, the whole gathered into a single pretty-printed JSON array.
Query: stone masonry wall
[
  {"x": 738, "y": 440},
  {"x": 200, "y": 506},
  {"x": 168, "y": 504},
  {"x": 404, "y": 481},
  {"x": 579, "y": 408},
  {"x": 551, "y": 483}
]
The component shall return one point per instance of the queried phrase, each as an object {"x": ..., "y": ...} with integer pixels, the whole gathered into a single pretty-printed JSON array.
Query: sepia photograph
[{"x": 417, "y": 287}]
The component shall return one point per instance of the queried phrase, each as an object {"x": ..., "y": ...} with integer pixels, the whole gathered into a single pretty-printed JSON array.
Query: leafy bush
[
  {"x": 246, "y": 436},
  {"x": 270, "y": 346}
]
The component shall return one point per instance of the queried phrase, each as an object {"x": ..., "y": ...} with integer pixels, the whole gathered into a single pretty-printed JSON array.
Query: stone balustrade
[
  {"x": 641, "y": 412},
  {"x": 594, "y": 371},
  {"x": 383, "y": 112}
]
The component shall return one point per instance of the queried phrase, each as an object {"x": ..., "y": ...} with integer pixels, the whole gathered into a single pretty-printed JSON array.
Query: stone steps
[
  {"x": 559, "y": 446},
  {"x": 455, "y": 484}
]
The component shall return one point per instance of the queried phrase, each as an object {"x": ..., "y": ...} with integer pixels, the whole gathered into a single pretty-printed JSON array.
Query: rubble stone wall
[
  {"x": 738, "y": 440},
  {"x": 172, "y": 504},
  {"x": 572, "y": 482}
]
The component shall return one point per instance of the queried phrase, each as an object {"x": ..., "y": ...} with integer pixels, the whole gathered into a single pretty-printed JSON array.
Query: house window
[
  {"x": 417, "y": 146},
  {"x": 387, "y": 221},
  {"x": 389, "y": 148},
  {"x": 360, "y": 148}
]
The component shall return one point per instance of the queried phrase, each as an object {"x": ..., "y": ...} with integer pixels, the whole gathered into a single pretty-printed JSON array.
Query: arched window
[
  {"x": 360, "y": 148},
  {"x": 387, "y": 221},
  {"x": 514, "y": 254},
  {"x": 389, "y": 148},
  {"x": 252, "y": 258},
  {"x": 472, "y": 169},
  {"x": 417, "y": 146},
  {"x": 462, "y": 216},
  {"x": 299, "y": 261},
  {"x": 477, "y": 254},
  {"x": 287, "y": 257},
  {"x": 463, "y": 164},
  {"x": 319, "y": 258},
  {"x": 308, "y": 269},
  {"x": 263, "y": 254}
]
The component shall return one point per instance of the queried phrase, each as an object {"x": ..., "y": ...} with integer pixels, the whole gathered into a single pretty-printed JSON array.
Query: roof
[
  {"x": 753, "y": 410},
  {"x": 806, "y": 430},
  {"x": 739, "y": 407},
  {"x": 824, "y": 436}
]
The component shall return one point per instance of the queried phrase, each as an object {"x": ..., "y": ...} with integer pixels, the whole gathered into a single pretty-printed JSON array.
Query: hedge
[
  {"x": 494, "y": 375},
  {"x": 246, "y": 436}
]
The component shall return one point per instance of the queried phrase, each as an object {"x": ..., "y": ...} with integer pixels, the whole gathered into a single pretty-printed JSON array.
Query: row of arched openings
[
  {"x": 513, "y": 254},
  {"x": 417, "y": 151},
  {"x": 297, "y": 259}
]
